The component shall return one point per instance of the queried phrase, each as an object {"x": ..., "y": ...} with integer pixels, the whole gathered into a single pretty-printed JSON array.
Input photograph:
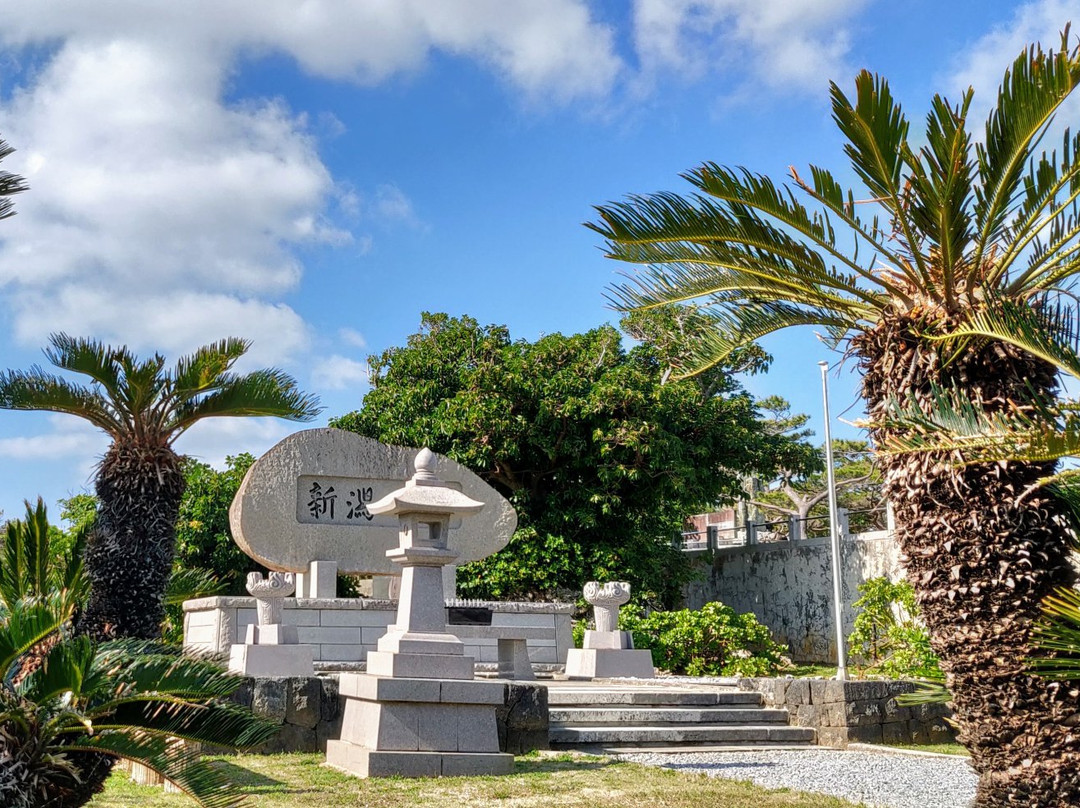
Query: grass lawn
[
  {"x": 940, "y": 748},
  {"x": 540, "y": 780}
]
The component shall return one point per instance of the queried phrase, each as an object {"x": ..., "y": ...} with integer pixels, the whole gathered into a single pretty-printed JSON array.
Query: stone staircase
[{"x": 605, "y": 716}]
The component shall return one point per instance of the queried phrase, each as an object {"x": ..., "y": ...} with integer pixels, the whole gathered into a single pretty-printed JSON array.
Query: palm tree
[
  {"x": 949, "y": 228},
  {"x": 124, "y": 699},
  {"x": 143, "y": 407}
]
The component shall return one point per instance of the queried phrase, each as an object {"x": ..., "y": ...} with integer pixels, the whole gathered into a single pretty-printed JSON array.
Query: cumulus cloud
[
  {"x": 68, "y": 437},
  {"x": 338, "y": 372},
  {"x": 983, "y": 64},
  {"x": 213, "y": 440},
  {"x": 352, "y": 338},
  {"x": 780, "y": 44}
]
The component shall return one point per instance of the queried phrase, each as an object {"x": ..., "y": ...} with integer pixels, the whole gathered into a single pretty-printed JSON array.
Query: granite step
[
  {"x": 566, "y": 696},
  {"x": 666, "y": 734},
  {"x": 608, "y": 715}
]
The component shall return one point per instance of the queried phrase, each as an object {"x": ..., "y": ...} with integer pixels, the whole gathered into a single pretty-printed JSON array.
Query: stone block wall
[
  {"x": 309, "y": 710},
  {"x": 788, "y": 585},
  {"x": 343, "y": 630},
  {"x": 855, "y": 711}
]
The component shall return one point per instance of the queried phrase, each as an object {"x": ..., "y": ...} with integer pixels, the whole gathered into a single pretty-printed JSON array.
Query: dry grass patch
[{"x": 538, "y": 781}]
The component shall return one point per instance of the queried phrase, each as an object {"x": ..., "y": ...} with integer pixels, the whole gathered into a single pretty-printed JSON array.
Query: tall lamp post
[{"x": 834, "y": 532}]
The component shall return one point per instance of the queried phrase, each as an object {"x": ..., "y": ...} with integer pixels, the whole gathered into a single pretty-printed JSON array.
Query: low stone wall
[
  {"x": 343, "y": 630},
  {"x": 855, "y": 712},
  {"x": 788, "y": 585},
  {"x": 310, "y": 709}
]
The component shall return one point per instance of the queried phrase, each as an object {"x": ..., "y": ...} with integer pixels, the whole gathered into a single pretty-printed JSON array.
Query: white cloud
[
  {"x": 338, "y": 372},
  {"x": 552, "y": 47},
  {"x": 68, "y": 438},
  {"x": 172, "y": 322},
  {"x": 983, "y": 64},
  {"x": 780, "y": 44},
  {"x": 212, "y": 440},
  {"x": 352, "y": 338},
  {"x": 164, "y": 215}
]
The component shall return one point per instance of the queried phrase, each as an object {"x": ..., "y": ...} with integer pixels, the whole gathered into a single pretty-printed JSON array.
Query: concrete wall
[
  {"x": 343, "y": 630},
  {"x": 788, "y": 585}
]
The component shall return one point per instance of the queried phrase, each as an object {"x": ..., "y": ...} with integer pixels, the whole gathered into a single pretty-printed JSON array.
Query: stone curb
[{"x": 884, "y": 749}]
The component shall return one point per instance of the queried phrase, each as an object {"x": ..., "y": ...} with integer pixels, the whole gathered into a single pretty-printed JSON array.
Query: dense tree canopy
[{"x": 601, "y": 460}]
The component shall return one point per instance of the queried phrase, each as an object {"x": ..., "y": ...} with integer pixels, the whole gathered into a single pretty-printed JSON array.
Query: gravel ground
[{"x": 878, "y": 779}]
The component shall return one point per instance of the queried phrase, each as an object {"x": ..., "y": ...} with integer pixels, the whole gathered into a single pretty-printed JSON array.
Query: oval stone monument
[{"x": 306, "y": 501}]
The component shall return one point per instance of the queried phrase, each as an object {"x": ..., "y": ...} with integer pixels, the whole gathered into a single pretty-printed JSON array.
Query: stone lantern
[
  {"x": 418, "y": 645},
  {"x": 417, "y": 712}
]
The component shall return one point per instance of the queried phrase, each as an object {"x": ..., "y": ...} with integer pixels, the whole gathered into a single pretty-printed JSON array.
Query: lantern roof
[{"x": 425, "y": 493}]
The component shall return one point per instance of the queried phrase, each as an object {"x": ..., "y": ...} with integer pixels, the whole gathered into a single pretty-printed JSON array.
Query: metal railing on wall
[{"x": 781, "y": 530}]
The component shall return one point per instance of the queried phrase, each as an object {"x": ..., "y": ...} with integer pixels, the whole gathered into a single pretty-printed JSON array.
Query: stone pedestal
[
  {"x": 270, "y": 648},
  {"x": 608, "y": 652},
  {"x": 417, "y": 712},
  {"x": 419, "y": 728}
]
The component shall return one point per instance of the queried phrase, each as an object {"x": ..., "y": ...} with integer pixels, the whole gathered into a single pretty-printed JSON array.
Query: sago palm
[
  {"x": 125, "y": 699},
  {"x": 938, "y": 232},
  {"x": 143, "y": 407}
]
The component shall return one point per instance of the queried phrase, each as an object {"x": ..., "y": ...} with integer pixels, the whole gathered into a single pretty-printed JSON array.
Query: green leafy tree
[
  {"x": 203, "y": 536},
  {"x": 143, "y": 407},
  {"x": 888, "y": 638},
  {"x": 804, "y": 495},
  {"x": 943, "y": 228},
  {"x": 601, "y": 460}
]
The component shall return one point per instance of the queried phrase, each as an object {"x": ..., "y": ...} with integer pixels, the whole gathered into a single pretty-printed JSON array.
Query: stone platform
[{"x": 419, "y": 727}]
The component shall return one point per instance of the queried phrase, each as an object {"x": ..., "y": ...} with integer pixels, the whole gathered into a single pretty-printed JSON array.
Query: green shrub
[
  {"x": 889, "y": 640},
  {"x": 711, "y": 641}
]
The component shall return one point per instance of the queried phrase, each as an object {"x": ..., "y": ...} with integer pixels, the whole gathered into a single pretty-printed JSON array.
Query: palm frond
[
  {"x": 175, "y": 762},
  {"x": 1048, "y": 332},
  {"x": 876, "y": 130},
  {"x": 64, "y": 669},
  {"x": 89, "y": 357},
  {"x": 213, "y": 724},
  {"x": 269, "y": 392},
  {"x": 27, "y": 623},
  {"x": 958, "y": 426},
  {"x": 1031, "y": 92},
  {"x": 940, "y": 181},
  {"x": 37, "y": 390},
  {"x": 154, "y": 668},
  {"x": 203, "y": 369},
  {"x": 1058, "y": 632},
  {"x": 1042, "y": 213},
  {"x": 742, "y": 323},
  {"x": 191, "y": 582},
  {"x": 10, "y": 184}
]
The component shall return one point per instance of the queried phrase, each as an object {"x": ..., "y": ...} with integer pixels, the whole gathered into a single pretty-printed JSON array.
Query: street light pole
[{"x": 834, "y": 532}]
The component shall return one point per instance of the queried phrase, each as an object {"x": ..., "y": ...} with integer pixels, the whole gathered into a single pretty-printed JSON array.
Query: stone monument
[
  {"x": 305, "y": 507},
  {"x": 271, "y": 648},
  {"x": 608, "y": 652},
  {"x": 418, "y": 712}
]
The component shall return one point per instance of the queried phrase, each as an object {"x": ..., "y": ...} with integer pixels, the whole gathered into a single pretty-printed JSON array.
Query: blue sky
[{"x": 313, "y": 176}]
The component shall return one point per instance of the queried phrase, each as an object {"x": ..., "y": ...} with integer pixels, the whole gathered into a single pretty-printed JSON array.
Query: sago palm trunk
[
  {"x": 983, "y": 545},
  {"x": 129, "y": 554}
]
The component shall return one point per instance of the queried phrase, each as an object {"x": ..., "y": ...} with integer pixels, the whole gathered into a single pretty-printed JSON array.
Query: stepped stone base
[
  {"x": 371, "y": 763},
  {"x": 608, "y": 663},
  {"x": 419, "y": 728},
  {"x": 419, "y": 666}
]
